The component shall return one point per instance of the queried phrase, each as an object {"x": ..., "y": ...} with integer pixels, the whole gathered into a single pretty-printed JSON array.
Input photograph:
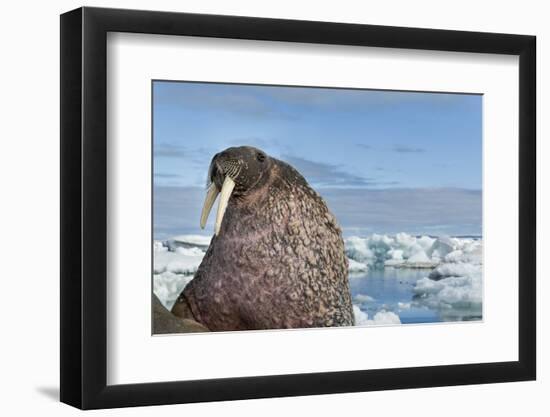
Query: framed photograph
[{"x": 257, "y": 207}]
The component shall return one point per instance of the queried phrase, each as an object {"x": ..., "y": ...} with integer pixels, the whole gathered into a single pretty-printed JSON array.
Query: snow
[
  {"x": 407, "y": 251},
  {"x": 188, "y": 241},
  {"x": 456, "y": 282},
  {"x": 458, "y": 269},
  {"x": 452, "y": 283},
  {"x": 361, "y": 318},
  {"x": 451, "y": 292},
  {"x": 454, "y": 256},
  {"x": 386, "y": 317},
  {"x": 355, "y": 266},
  {"x": 159, "y": 247},
  {"x": 363, "y": 298},
  {"x": 173, "y": 268},
  {"x": 381, "y": 317},
  {"x": 441, "y": 247},
  {"x": 418, "y": 258},
  {"x": 176, "y": 262},
  {"x": 426, "y": 242},
  {"x": 168, "y": 286},
  {"x": 198, "y": 240},
  {"x": 357, "y": 250},
  {"x": 190, "y": 252}
]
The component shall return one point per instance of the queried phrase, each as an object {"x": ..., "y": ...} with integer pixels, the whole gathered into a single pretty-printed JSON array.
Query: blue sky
[{"x": 367, "y": 147}]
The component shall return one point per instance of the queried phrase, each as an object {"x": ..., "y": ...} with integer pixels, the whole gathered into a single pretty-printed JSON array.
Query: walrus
[
  {"x": 165, "y": 322},
  {"x": 276, "y": 259}
]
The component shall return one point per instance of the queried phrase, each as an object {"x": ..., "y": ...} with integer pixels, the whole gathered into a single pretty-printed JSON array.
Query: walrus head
[{"x": 235, "y": 171}]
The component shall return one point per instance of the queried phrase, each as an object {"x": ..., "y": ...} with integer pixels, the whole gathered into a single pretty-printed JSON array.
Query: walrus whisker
[
  {"x": 231, "y": 168},
  {"x": 225, "y": 194},
  {"x": 211, "y": 196}
]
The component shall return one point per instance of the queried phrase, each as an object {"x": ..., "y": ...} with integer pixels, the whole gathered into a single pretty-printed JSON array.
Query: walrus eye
[{"x": 260, "y": 157}]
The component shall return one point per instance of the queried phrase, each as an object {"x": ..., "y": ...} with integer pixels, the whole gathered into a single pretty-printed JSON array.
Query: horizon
[{"x": 382, "y": 160}]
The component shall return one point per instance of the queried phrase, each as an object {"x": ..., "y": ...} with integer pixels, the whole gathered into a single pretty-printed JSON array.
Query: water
[
  {"x": 455, "y": 297},
  {"x": 391, "y": 290}
]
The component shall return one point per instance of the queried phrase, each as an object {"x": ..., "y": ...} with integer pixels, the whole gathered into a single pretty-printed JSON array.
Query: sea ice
[
  {"x": 167, "y": 286},
  {"x": 382, "y": 317},
  {"x": 455, "y": 269},
  {"x": 419, "y": 257},
  {"x": 453, "y": 286},
  {"x": 173, "y": 269},
  {"x": 457, "y": 292},
  {"x": 176, "y": 262},
  {"x": 355, "y": 266},
  {"x": 198, "y": 240},
  {"x": 363, "y": 298},
  {"x": 403, "y": 250},
  {"x": 361, "y": 318}
]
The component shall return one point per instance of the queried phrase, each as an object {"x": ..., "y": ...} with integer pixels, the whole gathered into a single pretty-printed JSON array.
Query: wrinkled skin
[
  {"x": 278, "y": 261},
  {"x": 165, "y": 322}
]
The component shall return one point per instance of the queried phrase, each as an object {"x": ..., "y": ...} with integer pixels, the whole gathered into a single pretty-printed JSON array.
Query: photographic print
[
  {"x": 336, "y": 185},
  {"x": 286, "y": 207}
]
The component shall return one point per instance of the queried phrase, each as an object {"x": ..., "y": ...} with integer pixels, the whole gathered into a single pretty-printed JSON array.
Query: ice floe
[
  {"x": 382, "y": 317},
  {"x": 357, "y": 267},
  {"x": 452, "y": 283},
  {"x": 173, "y": 267},
  {"x": 168, "y": 286},
  {"x": 407, "y": 251},
  {"x": 455, "y": 287},
  {"x": 363, "y": 298}
]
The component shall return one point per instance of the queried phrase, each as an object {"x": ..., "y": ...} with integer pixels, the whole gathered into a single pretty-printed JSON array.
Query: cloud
[
  {"x": 322, "y": 174},
  {"x": 235, "y": 102},
  {"x": 264, "y": 143},
  {"x": 177, "y": 165},
  {"x": 286, "y": 102},
  {"x": 170, "y": 150},
  {"x": 355, "y": 100},
  {"x": 176, "y": 210},
  {"x": 413, "y": 210},
  {"x": 407, "y": 149},
  {"x": 396, "y": 148},
  {"x": 200, "y": 156},
  {"x": 434, "y": 211},
  {"x": 168, "y": 176},
  {"x": 204, "y": 154},
  {"x": 243, "y": 100}
]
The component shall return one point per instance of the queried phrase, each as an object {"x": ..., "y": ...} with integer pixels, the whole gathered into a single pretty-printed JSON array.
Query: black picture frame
[{"x": 84, "y": 207}]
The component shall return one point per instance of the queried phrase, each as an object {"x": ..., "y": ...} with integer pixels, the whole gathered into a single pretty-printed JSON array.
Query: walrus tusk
[
  {"x": 225, "y": 193},
  {"x": 211, "y": 195}
]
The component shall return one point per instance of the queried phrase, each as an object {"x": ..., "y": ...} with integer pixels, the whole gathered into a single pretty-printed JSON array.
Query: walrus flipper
[
  {"x": 165, "y": 322},
  {"x": 182, "y": 308}
]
